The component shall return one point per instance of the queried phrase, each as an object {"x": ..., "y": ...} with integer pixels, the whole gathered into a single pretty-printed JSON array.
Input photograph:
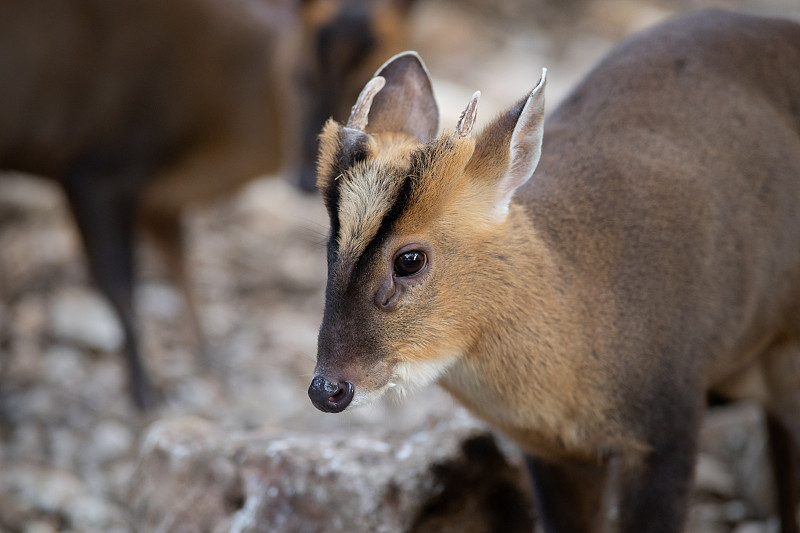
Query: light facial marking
[
  {"x": 366, "y": 196},
  {"x": 407, "y": 377},
  {"x": 410, "y": 375}
]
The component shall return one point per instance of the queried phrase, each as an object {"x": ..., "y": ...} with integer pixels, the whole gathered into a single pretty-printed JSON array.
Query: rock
[
  {"x": 28, "y": 491},
  {"x": 91, "y": 514},
  {"x": 23, "y": 193},
  {"x": 111, "y": 440},
  {"x": 752, "y": 527},
  {"x": 712, "y": 476},
  {"x": 30, "y": 316},
  {"x": 735, "y": 511},
  {"x": 83, "y": 317},
  {"x": 159, "y": 300},
  {"x": 64, "y": 364},
  {"x": 40, "y": 526},
  {"x": 450, "y": 476},
  {"x": 23, "y": 324},
  {"x": 46, "y": 500},
  {"x": 735, "y": 436}
]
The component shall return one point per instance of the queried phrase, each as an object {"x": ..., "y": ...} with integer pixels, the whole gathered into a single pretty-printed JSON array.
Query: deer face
[{"x": 413, "y": 226}]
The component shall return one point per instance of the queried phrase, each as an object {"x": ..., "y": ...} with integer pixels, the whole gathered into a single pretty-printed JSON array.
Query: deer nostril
[
  {"x": 330, "y": 396},
  {"x": 336, "y": 398}
]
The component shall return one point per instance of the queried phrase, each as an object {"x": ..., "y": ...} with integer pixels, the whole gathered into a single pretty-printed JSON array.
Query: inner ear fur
[
  {"x": 507, "y": 151},
  {"x": 492, "y": 155},
  {"x": 406, "y": 103}
]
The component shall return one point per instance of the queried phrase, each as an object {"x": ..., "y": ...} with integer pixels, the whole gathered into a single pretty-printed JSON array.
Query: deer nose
[{"x": 330, "y": 396}]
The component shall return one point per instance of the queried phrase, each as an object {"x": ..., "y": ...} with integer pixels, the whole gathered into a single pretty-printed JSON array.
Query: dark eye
[{"x": 409, "y": 263}]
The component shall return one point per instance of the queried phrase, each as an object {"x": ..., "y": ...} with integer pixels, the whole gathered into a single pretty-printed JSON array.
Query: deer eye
[{"x": 410, "y": 263}]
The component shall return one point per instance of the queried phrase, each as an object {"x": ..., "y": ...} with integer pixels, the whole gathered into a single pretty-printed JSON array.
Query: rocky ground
[{"x": 69, "y": 438}]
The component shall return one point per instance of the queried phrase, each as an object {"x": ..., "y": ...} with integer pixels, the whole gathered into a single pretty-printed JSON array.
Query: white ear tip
[
  {"x": 542, "y": 80},
  {"x": 407, "y": 53}
]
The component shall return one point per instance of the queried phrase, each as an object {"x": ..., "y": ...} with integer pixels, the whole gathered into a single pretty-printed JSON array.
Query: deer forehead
[
  {"x": 399, "y": 181},
  {"x": 365, "y": 202}
]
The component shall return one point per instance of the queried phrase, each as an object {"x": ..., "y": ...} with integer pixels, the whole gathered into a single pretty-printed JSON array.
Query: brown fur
[
  {"x": 142, "y": 108},
  {"x": 652, "y": 257},
  {"x": 344, "y": 41}
]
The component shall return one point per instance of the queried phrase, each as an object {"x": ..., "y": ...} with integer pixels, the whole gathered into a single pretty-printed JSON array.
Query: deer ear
[
  {"x": 405, "y": 104},
  {"x": 512, "y": 142}
]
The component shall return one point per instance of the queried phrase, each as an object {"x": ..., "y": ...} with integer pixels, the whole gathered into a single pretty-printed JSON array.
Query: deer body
[
  {"x": 141, "y": 109},
  {"x": 586, "y": 311}
]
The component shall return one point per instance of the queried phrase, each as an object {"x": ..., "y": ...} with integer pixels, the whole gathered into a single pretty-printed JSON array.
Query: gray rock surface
[
  {"x": 85, "y": 318},
  {"x": 449, "y": 476}
]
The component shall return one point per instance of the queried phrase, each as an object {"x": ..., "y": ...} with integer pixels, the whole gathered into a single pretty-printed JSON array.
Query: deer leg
[
  {"x": 785, "y": 464},
  {"x": 569, "y": 497},
  {"x": 654, "y": 487},
  {"x": 105, "y": 214},
  {"x": 782, "y": 369},
  {"x": 165, "y": 226}
]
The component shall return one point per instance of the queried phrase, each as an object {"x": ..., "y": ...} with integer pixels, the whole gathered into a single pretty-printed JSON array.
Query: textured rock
[
  {"x": 84, "y": 317},
  {"x": 756, "y": 527},
  {"x": 50, "y": 499},
  {"x": 713, "y": 477},
  {"x": 735, "y": 436},
  {"x": 451, "y": 476}
]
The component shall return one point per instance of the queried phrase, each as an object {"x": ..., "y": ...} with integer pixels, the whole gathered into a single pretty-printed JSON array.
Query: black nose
[{"x": 330, "y": 396}]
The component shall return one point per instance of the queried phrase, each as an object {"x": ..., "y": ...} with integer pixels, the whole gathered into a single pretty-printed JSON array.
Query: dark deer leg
[
  {"x": 785, "y": 463},
  {"x": 105, "y": 213},
  {"x": 569, "y": 497}
]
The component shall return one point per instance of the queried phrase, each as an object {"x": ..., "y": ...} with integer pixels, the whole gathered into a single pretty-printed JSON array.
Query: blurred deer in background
[
  {"x": 141, "y": 108},
  {"x": 585, "y": 310}
]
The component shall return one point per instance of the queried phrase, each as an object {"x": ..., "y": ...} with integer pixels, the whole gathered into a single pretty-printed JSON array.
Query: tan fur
[
  {"x": 653, "y": 256},
  {"x": 455, "y": 211}
]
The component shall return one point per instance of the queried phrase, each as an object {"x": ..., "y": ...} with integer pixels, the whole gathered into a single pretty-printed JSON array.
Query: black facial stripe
[
  {"x": 352, "y": 149},
  {"x": 331, "y": 198},
  {"x": 402, "y": 200}
]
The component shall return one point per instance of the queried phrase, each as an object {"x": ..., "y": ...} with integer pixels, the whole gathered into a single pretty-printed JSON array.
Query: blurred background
[{"x": 69, "y": 433}]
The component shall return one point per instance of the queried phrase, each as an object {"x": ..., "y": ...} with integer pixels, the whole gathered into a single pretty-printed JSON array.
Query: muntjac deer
[
  {"x": 585, "y": 309},
  {"x": 141, "y": 108}
]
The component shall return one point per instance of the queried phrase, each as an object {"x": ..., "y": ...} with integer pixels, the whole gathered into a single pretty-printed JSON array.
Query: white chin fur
[{"x": 407, "y": 377}]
